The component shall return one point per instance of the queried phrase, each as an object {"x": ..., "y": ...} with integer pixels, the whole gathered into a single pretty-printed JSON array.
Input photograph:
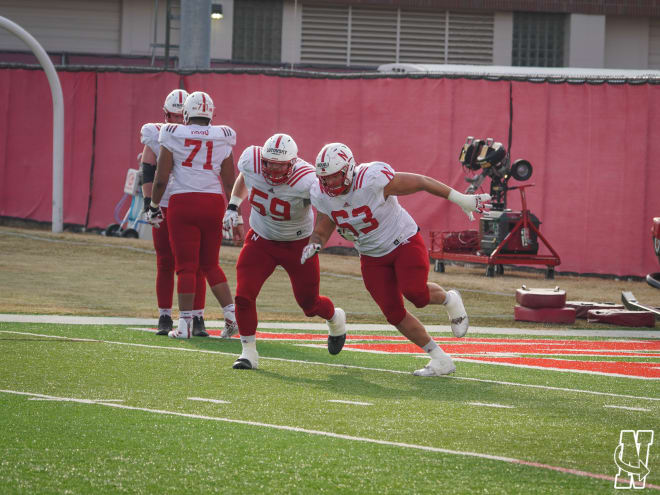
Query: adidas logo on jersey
[{"x": 346, "y": 204}]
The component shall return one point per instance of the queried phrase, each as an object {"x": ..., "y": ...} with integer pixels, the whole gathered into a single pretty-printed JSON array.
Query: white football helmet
[
  {"x": 277, "y": 150},
  {"x": 174, "y": 101},
  {"x": 198, "y": 104},
  {"x": 334, "y": 159}
]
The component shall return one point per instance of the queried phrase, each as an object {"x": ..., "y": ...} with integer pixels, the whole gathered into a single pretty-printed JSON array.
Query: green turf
[{"x": 59, "y": 447}]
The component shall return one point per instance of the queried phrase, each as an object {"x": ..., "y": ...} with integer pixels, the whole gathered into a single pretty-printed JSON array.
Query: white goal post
[{"x": 58, "y": 117}]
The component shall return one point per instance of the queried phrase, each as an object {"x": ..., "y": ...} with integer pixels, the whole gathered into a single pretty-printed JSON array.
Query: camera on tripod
[{"x": 494, "y": 162}]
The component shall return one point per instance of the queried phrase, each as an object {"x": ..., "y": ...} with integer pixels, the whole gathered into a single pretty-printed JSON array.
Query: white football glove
[
  {"x": 309, "y": 251},
  {"x": 230, "y": 220},
  {"x": 470, "y": 203},
  {"x": 154, "y": 216}
]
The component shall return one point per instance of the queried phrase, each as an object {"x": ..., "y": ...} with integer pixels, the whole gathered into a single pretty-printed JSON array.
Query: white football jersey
[
  {"x": 198, "y": 153},
  {"x": 149, "y": 136},
  {"x": 281, "y": 212},
  {"x": 379, "y": 225}
]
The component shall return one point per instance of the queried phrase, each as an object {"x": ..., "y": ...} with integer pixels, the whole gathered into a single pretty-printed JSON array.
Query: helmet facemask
[
  {"x": 278, "y": 155},
  {"x": 276, "y": 173}
]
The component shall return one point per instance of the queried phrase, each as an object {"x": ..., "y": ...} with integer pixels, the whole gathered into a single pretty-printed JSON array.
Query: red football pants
[
  {"x": 165, "y": 269},
  {"x": 195, "y": 224},
  {"x": 258, "y": 260},
  {"x": 401, "y": 273}
]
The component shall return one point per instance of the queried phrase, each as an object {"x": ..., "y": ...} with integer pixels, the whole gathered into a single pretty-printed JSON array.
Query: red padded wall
[
  {"x": 26, "y": 153},
  {"x": 592, "y": 146},
  {"x": 124, "y": 103},
  {"x": 597, "y": 186}
]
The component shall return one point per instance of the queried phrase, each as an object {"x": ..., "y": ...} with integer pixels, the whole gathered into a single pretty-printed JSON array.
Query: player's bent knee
[
  {"x": 214, "y": 274},
  {"x": 242, "y": 302},
  {"x": 395, "y": 317},
  {"x": 419, "y": 298},
  {"x": 185, "y": 281}
]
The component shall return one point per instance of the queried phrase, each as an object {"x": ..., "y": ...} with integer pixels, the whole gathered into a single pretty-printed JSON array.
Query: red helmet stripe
[
  {"x": 277, "y": 143},
  {"x": 180, "y": 96},
  {"x": 325, "y": 150}
]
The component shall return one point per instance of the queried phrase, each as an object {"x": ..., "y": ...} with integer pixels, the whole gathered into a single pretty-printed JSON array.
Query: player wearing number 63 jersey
[
  {"x": 198, "y": 156},
  {"x": 360, "y": 200},
  {"x": 277, "y": 184}
]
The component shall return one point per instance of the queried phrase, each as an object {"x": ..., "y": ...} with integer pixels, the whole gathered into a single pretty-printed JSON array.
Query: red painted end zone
[{"x": 524, "y": 352}]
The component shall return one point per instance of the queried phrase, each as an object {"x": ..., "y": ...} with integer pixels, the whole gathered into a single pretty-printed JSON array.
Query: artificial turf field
[{"x": 117, "y": 409}]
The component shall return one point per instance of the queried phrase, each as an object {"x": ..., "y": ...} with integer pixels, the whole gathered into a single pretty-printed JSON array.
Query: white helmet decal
[
  {"x": 198, "y": 104},
  {"x": 174, "y": 101}
]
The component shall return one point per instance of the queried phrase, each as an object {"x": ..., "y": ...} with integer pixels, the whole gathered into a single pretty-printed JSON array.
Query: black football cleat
[
  {"x": 199, "y": 329},
  {"x": 164, "y": 325},
  {"x": 242, "y": 364},
  {"x": 336, "y": 344}
]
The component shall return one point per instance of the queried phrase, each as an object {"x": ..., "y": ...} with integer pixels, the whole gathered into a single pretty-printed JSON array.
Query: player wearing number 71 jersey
[
  {"x": 198, "y": 156},
  {"x": 277, "y": 184},
  {"x": 361, "y": 202}
]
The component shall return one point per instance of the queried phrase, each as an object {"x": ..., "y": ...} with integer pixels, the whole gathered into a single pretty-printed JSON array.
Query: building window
[
  {"x": 538, "y": 39},
  {"x": 257, "y": 31}
]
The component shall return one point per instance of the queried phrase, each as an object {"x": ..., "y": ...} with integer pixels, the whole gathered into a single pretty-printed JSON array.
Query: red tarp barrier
[
  {"x": 597, "y": 187},
  {"x": 415, "y": 125},
  {"x": 124, "y": 103},
  {"x": 26, "y": 127},
  {"x": 591, "y": 145}
]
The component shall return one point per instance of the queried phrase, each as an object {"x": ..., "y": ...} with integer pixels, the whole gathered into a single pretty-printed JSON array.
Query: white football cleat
[
  {"x": 457, "y": 314},
  {"x": 183, "y": 332},
  {"x": 247, "y": 361},
  {"x": 437, "y": 367},
  {"x": 231, "y": 327}
]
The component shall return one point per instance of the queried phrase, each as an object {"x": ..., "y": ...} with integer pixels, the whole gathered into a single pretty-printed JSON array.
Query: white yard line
[
  {"x": 214, "y": 401},
  {"x": 484, "y": 404},
  {"x": 328, "y": 434},
  {"x": 331, "y": 365},
  {"x": 355, "y": 403},
  {"x": 628, "y": 408},
  {"x": 362, "y": 327}
]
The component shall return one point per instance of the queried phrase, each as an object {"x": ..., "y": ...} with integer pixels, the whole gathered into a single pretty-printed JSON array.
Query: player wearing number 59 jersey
[
  {"x": 198, "y": 156},
  {"x": 277, "y": 184},
  {"x": 360, "y": 200}
]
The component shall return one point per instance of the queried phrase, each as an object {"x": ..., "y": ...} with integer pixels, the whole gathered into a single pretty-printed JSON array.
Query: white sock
[
  {"x": 165, "y": 311},
  {"x": 228, "y": 309},
  {"x": 249, "y": 343},
  {"x": 434, "y": 350},
  {"x": 198, "y": 312},
  {"x": 186, "y": 315}
]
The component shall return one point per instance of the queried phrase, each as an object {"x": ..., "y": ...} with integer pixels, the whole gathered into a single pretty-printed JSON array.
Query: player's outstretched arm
[
  {"x": 406, "y": 183},
  {"x": 322, "y": 231}
]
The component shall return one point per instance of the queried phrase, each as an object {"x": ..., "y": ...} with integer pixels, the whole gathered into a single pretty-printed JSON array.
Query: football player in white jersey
[
  {"x": 360, "y": 201},
  {"x": 173, "y": 109},
  {"x": 277, "y": 184},
  {"x": 198, "y": 156}
]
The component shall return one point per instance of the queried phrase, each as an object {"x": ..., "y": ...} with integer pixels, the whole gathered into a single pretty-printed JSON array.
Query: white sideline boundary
[
  {"x": 333, "y": 365},
  {"x": 328, "y": 434},
  {"x": 362, "y": 327}
]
